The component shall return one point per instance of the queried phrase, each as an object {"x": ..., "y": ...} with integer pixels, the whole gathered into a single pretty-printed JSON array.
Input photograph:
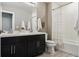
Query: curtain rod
[{"x": 62, "y": 5}]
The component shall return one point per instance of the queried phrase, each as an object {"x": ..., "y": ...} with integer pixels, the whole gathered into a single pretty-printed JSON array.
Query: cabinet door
[
  {"x": 31, "y": 46},
  {"x": 19, "y": 48},
  {"x": 36, "y": 45},
  {"x": 6, "y": 47},
  {"x": 5, "y": 50},
  {"x": 40, "y": 45}
]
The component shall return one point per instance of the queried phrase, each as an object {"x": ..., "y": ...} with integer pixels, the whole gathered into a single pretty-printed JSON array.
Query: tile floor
[{"x": 57, "y": 54}]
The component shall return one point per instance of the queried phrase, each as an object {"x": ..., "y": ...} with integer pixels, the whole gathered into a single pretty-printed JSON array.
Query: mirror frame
[{"x": 13, "y": 19}]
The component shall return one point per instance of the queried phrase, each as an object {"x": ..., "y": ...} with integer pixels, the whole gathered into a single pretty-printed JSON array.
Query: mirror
[
  {"x": 7, "y": 21},
  {"x": 0, "y": 18},
  {"x": 22, "y": 12}
]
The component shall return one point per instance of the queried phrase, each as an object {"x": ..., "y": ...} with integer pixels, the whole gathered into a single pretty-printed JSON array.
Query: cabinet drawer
[{"x": 7, "y": 41}]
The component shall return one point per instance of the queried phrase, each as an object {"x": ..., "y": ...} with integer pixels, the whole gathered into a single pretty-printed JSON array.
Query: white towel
[
  {"x": 34, "y": 24},
  {"x": 39, "y": 24},
  {"x": 28, "y": 25},
  {"x": 23, "y": 25}
]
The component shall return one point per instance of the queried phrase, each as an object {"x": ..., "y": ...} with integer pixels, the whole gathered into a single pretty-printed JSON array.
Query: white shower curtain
[
  {"x": 34, "y": 24},
  {"x": 39, "y": 24},
  {"x": 77, "y": 25},
  {"x": 77, "y": 20}
]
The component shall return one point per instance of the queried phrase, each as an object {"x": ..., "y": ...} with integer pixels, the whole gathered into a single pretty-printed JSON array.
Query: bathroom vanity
[{"x": 22, "y": 45}]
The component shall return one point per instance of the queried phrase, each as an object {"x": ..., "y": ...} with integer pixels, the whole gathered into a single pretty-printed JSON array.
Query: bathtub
[{"x": 71, "y": 47}]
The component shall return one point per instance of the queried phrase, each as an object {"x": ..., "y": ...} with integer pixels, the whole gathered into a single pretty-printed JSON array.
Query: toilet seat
[{"x": 50, "y": 43}]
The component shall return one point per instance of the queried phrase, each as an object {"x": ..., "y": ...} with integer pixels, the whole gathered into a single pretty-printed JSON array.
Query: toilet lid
[{"x": 51, "y": 45}]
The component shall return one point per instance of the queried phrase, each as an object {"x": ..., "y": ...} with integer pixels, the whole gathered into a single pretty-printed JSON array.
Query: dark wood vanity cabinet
[{"x": 22, "y": 46}]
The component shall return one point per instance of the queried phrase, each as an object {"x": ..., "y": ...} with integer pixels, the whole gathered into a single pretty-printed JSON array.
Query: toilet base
[
  {"x": 50, "y": 50},
  {"x": 50, "y": 47}
]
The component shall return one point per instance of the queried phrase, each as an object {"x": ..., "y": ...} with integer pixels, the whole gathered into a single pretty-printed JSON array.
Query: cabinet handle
[
  {"x": 11, "y": 49},
  {"x": 14, "y": 49}
]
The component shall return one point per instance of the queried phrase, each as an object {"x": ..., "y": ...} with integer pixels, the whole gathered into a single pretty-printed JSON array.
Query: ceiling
[{"x": 21, "y": 5}]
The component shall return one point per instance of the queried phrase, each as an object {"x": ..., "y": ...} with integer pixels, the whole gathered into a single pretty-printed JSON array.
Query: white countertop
[{"x": 21, "y": 34}]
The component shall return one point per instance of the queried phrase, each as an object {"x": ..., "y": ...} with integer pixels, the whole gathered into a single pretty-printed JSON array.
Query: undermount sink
[{"x": 21, "y": 32}]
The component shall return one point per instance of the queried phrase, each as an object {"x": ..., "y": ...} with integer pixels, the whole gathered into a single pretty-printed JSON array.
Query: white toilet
[{"x": 50, "y": 46}]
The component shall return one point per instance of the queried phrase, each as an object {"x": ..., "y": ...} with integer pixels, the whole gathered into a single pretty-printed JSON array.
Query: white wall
[
  {"x": 49, "y": 21},
  {"x": 21, "y": 13}
]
